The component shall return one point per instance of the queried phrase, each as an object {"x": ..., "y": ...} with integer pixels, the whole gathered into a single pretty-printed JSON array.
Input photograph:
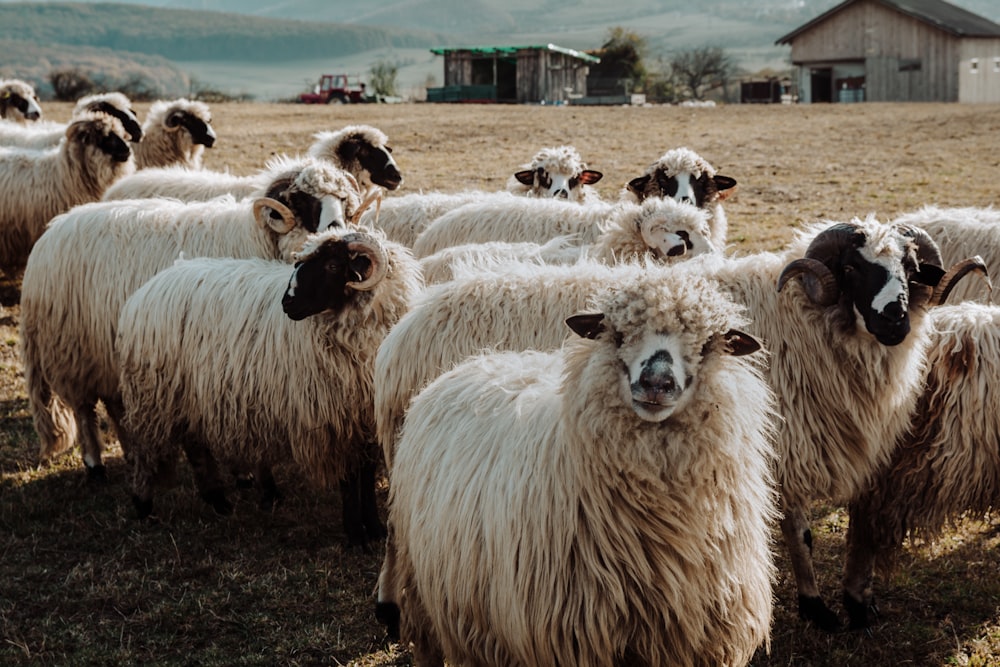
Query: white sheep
[
  {"x": 507, "y": 217},
  {"x": 92, "y": 258},
  {"x": 607, "y": 504},
  {"x": 35, "y": 185},
  {"x": 682, "y": 174},
  {"x": 45, "y": 134},
  {"x": 18, "y": 101},
  {"x": 847, "y": 333},
  {"x": 256, "y": 361},
  {"x": 947, "y": 466},
  {"x": 175, "y": 132},
  {"x": 557, "y": 172},
  {"x": 962, "y": 232},
  {"x": 352, "y": 149},
  {"x": 404, "y": 217},
  {"x": 661, "y": 227}
]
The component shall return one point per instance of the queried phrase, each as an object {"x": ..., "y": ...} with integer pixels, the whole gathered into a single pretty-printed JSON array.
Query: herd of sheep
[{"x": 592, "y": 418}]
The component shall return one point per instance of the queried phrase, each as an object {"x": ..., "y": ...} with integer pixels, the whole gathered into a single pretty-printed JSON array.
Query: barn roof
[
  {"x": 510, "y": 50},
  {"x": 942, "y": 15}
]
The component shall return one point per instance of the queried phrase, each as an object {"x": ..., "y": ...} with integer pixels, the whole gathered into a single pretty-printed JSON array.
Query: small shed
[
  {"x": 896, "y": 51},
  {"x": 547, "y": 74}
]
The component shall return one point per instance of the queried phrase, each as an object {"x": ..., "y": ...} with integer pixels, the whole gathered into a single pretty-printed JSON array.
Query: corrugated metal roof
[
  {"x": 940, "y": 14},
  {"x": 509, "y": 50}
]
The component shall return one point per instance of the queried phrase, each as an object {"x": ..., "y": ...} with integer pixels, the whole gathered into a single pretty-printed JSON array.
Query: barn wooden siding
[
  {"x": 899, "y": 57},
  {"x": 546, "y": 74}
]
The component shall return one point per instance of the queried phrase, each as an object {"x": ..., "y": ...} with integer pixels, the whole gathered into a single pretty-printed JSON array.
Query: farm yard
[{"x": 84, "y": 582}]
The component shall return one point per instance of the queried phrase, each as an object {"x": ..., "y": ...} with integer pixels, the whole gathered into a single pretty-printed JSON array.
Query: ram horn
[
  {"x": 376, "y": 198},
  {"x": 928, "y": 251},
  {"x": 818, "y": 280},
  {"x": 956, "y": 273},
  {"x": 264, "y": 218},
  {"x": 363, "y": 244}
]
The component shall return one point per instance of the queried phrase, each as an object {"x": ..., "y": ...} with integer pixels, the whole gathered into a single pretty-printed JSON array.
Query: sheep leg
[
  {"x": 269, "y": 493},
  {"x": 387, "y": 599},
  {"x": 352, "y": 507},
  {"x": 206, "y": 476},
  {"x": 374, "y": 527},
  {"x": 859, "y": 598},
  {"x": 798, "y": 541},
  {"x": 90, "y": 441}
]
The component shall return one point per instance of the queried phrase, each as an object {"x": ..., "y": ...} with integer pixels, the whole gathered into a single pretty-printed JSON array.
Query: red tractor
[{"x": 336, "y": 89}]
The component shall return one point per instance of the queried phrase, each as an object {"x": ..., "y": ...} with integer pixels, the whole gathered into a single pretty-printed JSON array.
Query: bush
[{"x": 70, "y": 84}]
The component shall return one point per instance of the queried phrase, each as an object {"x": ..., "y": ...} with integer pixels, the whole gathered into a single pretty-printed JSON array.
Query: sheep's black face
[
  {"x": 200, "y": 130},
  {"x": 320, "y": 283},
  {"x": 314, "y": 214},
  {"x": 377, "y": 161},
  {"x": 878, "y": 287},
  {"x": 113, "y": 146},
  {"x": 683, "y": 187},
  {"x": 128, "y": 118},
  {"x": 29, "y": 108}
]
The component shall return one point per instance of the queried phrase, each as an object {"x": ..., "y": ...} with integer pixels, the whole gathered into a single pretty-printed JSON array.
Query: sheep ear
[
  {"x": 526, "y": 177},
  {"x": 586, "y": 325},
  {"x": 725, "y": 185},
  {"x": 264, "y": 209},
  {"x": 589, "y": 176},
  {"x": 738, "y": 343},
  {"x": 637, "y": 186}
]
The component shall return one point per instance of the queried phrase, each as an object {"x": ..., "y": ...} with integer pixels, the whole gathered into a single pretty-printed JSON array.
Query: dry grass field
[{"x": 83, "y": 583}]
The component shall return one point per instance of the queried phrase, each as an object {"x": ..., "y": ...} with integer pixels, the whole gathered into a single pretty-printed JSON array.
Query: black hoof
[
  {"x": 97, "y": 474},
  {"x": 143, "y": 508},
  {"x": 387, "y": 613},
  {"x": 814, "y": 610},
  {"x": 862, "y": 615},
  {"x": 217, "y": 499}
]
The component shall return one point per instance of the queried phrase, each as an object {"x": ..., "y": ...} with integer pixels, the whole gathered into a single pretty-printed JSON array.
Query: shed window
[
  {"x": 996, "y": 65},
  {"x": 974, "y": 65},
  {"x": 910, "y": 65}
]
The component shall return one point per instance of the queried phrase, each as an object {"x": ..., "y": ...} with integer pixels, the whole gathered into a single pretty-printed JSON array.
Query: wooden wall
[
  {"x": 905, "y": 59},
  {"x": 542, "y": 75},
  {"x": 983, "y": 85}
]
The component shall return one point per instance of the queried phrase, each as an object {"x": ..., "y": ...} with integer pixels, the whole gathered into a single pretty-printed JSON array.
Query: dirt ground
[{"x": 85, "y": 585}]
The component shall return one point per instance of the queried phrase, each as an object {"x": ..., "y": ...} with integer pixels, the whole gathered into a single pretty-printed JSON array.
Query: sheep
[
  {"x": 557, "y": 172},
  {"x": 962, "y": 232},
  {"x": 44, "y": 134},
  {"x": 257, "y": 361},
  {"x": 18, "y": 101},
  {"x": 37, "y": 185},
  {"x": 362, "y": 151},
  {"x": 91, "y": 259},
  {"x": 353, "y": 149},
  {"x": 175, "y": 132},
  {"x": 847, "y": 333},
  {"x": 607, "y": 504},
  {"x": 403, "y": 218},
  {"x": 682, "y": 174},
  {"x": 946, "y": 466},
  {"x": 658, "y": 226}
]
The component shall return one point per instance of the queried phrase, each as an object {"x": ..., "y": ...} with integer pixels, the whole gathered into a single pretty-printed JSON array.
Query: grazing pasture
[{"x": 83, "y": 582}]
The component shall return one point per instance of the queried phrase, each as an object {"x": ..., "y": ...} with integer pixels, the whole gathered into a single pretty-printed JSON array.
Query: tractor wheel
[{"x": 338, "y": 98}]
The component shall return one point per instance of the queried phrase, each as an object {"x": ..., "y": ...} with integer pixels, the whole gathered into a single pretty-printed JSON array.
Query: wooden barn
[
  {"x": 546, "y": 74},
  {"x": 896, "y": 51}
]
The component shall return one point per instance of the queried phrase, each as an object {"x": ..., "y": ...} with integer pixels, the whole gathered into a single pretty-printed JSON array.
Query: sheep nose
[
  {"x": 677, "y": 250},
  {"x": 687, "y": 200},
  {"x": 656, "y": 383},
  {"x": 894, "y": 311},
  {"x": 561, "y": 194}
]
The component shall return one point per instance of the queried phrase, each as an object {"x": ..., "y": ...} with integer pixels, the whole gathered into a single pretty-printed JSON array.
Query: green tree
[
  {"x": 382, "y": 77},
  {"x": 621, "y": 69}
]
